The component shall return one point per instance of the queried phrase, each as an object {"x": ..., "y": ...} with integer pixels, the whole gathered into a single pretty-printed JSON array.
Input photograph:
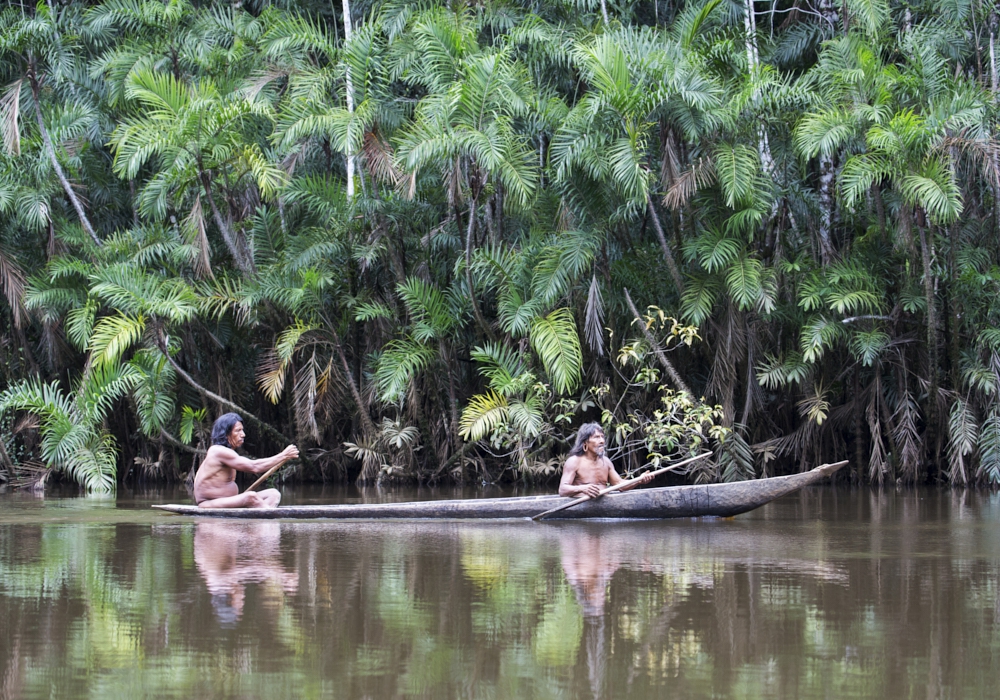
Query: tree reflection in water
[
  {"x": 826, "y": 594},
  {"x": 229, "y": 555}
]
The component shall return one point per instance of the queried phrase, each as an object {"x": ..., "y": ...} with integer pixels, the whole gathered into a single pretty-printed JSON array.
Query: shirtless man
[
  {"x": 587, "y": 470},
  {"x": 215, "y": 481}
]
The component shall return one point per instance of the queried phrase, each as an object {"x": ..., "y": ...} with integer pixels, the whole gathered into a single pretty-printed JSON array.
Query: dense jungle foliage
[{"x": 425, "y": 239}]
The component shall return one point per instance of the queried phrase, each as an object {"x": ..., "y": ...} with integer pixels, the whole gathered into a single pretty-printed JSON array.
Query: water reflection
[
  {"x": 828, "y": 594},
  {"x": 231, "y": 554},
  {"x": 590, "y": 558}
]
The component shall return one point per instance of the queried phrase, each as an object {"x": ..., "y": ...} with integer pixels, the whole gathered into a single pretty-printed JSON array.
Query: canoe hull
[{"x": 722, "y": 500}]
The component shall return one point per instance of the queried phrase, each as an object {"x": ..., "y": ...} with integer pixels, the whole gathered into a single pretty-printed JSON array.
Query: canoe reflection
[{"x": 229, "y": 555}]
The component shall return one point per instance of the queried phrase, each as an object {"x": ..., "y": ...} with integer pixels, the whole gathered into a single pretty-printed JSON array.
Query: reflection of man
[
  {"x": 230, "y": 555},
  {"x": 589, "y": 561},
  {"x": 215, "y": 482},
  {"x": 587, "y": 470},
  {"x": 589, "y": 564}
]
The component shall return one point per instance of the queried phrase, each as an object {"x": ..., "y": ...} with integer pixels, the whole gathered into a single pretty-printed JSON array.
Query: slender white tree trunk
[
  {"x": 348, "y": 32},
  {"x": 827, "y": 176},
  {"x": 993, "y": 63},
  {"x": 753, "y": 60},
  {"x": 50, "y": 149},
  {"x": 995, "y": 84},
  {"x": 604, "y": 12}
]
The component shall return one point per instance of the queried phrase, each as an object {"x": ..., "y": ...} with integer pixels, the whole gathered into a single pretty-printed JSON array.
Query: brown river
[{"x": 829, "y": 593}]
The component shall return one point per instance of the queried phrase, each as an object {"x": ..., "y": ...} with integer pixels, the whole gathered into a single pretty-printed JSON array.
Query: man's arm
[
  {"x": 614, "y": 478},
  {"x": 229, "y": 458},
  {"x": 568, "y": 488}
]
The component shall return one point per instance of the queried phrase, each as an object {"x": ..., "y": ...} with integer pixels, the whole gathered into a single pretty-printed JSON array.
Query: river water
[{"x": 828, "y": 593}]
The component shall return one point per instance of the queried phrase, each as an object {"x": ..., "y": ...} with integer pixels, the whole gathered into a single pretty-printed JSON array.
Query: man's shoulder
[{"x": 217, "y": 455}]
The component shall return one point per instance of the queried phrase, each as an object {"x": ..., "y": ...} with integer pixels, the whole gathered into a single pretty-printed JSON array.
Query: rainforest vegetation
[{"x": 426, "y": 239}]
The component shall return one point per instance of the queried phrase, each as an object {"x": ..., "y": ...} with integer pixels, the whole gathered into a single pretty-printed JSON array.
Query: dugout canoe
[{"x": 723, "y": 500}]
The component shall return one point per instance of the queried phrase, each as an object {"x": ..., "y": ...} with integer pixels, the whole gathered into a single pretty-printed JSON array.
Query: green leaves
[
  {"x": 824, "y": 132},
  {"x": 154, "y": 392},
  {"x": 744, "y": 282},
  {"x": 989, "y": 447},
  {"x": 484, "y": 414},
  {"x": 963, "y": 436},
  {"x": 274, "y": 366},
  {"x": 934, "y": 188},
  {"x": 818, "y": 336},
  {"x": 504, "y": 368},
  {"x": 112, "y": 336},
  {"x": 736, "y": 166},
  {"x": 469, "y": 114},
  {"x": 400, "y": 362},
  {"x": 72, "y": 438},
  {"x": 555, "y": 340},
  {"x": 873, "y": 15},
  {"x": 868, "y": 345},
  {"x": 432, "y": 313},
  {"x": 715, "y": 249},
  {"x": 189, "y": 419}
]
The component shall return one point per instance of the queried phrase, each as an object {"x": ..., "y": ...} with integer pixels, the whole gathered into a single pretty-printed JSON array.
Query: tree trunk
[
  {"x": 827, "y": 177},
  {"x": 660, "y": 355},
  {"x": 753, "y": 61},
  {"x": 452, "y": 393},
  {"x": 368, "y": 429},
  {"x": 995, "y": 85},
  {"x": 236, "y": 246},
  {"x": 470, "y": 231},
  {"x": 348, "y": 32},
  {"x": 667, "y": 255},
  {"x": 932, "y": 345},
  {"x": 51, "y": 151},
  {"x": 859, "y": 429},
  {"x": 212, "y": 396}
]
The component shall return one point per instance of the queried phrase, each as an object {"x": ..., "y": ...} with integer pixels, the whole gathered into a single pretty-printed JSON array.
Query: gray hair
[{"x": 585, "y": 432}]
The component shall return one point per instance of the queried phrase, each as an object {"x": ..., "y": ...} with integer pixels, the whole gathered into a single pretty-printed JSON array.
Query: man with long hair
[
  {"x": 587, "y": 470},
  {"x": 215, "y": 481}
]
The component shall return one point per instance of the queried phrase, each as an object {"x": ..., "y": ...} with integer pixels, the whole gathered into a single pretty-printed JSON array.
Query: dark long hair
[
  {"x": 224, "y": 425},
  {"x": 585, "y": 432}
]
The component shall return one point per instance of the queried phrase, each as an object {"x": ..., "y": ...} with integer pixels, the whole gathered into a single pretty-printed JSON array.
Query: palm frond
[
  {"x": 555, "y": 340},
  {"x": 113, "y": 336},
  {"x": 399, "y": 363},
  {"x": 989, "y": 447},
  {"x": 484, "y": 414},
  {"x": 963, "y": 437},
  {"x": 594, "y": 318}
]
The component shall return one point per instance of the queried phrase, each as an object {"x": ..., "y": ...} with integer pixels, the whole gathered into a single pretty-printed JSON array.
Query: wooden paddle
[
  {"x": 263, "y": 478},
  {"x": 618, "y": 487}
]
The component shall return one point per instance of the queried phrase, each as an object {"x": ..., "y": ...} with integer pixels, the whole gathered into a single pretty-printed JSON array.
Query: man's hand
[
  {"x": 592, "y": 490},
  {"x": 645, "y": 479},
  {"x": 290, "y": 452}
]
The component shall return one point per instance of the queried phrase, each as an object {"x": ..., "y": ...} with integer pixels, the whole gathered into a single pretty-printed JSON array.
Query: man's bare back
[
  {"x": 215, "y": 482},
  {"x": 587, "y": 473}
]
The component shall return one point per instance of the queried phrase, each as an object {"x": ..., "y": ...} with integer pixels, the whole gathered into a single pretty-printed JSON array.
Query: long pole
[
  {"x": 619, "y": 487},
  {"x": 263, "y": 478}
]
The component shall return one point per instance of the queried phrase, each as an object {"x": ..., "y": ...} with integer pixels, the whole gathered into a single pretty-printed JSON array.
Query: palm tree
[{"x": 43, "y": 47}]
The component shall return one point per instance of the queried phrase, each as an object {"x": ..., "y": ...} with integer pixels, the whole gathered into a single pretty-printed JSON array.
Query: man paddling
[
  {"x": 587, "y": 470},
  {"x": 215, "y": 481}
]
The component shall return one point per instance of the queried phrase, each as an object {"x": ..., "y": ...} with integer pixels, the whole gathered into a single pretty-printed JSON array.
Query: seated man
[
  {"x": 587, "y": 470},
  {"x": 215, "y": 481}
]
